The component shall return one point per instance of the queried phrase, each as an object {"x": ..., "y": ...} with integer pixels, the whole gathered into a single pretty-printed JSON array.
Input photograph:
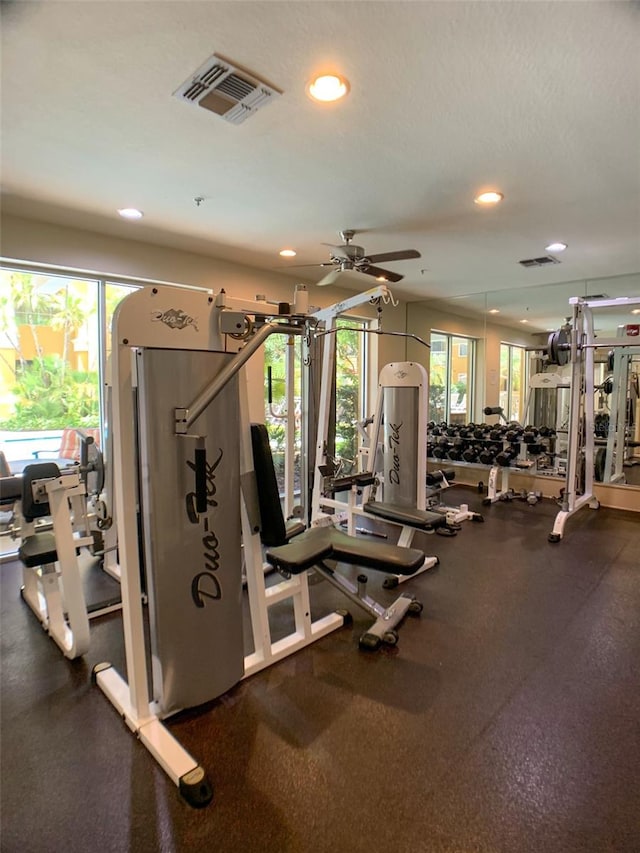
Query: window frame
[
  {"x": 451, "y": 340},
  {"x": 511, "y": 349}
]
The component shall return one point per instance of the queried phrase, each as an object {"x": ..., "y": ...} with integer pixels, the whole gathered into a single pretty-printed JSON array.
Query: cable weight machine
[{"x": 577, "y": 348}]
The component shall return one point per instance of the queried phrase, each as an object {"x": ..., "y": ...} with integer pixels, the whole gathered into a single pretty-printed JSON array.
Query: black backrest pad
[
  {"x": 273, "y": 526},
  {"x": 37, "y": 471}
]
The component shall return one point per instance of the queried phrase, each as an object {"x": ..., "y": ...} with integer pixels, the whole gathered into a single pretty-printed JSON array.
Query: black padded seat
[
  {"x": 344, "y": 484},
  {"x": 10, "y": 489},
  {"x": 38, "y": 550},
  {"x": 421, "y": 519},
  {"x": 328, "y": 543}
]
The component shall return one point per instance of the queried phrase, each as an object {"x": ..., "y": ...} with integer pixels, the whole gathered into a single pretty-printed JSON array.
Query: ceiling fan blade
[
  {"x": 394, "y": 256},
  {"x": 297, "y": 266},
  {"x": 378, "y": 272},
  {"x": 330, "y": 277}
]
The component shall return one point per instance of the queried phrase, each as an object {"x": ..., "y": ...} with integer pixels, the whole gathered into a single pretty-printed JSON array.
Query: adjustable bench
[
  {"x": 312, "y": 549},
  {"x": 52, "y": 586},
  {"x": 52, "y": 583}
]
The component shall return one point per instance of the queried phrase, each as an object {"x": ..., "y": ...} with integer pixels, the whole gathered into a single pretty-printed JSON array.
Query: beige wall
[{"x": 71, "y": 248}]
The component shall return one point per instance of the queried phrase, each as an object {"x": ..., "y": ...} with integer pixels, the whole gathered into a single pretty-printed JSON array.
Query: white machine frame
[
  {"x": 142, "y": 320},
  {"x": 394, "y": 375},
  {"x": 583, "y": 345},
  {"x": 53, "y": 591}
]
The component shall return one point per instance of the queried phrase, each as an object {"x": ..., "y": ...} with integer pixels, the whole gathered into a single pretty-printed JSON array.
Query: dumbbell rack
[{"x": 502, "y": 448}]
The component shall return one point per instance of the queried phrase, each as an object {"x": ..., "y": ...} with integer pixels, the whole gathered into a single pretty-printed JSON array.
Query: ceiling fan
[{"x": 348, "y": 256}]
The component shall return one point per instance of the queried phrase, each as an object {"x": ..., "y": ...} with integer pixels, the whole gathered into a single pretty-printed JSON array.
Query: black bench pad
[
  {"x": 343, "y": 484},
  {"x": 327, "y": 543},
  {"x": 10, "y": 489},
  {"x": 420, "y": 518},
  {"x": 38, "y": 550}
]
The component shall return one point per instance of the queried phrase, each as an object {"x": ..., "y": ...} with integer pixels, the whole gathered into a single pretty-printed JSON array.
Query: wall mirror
[{"x": 500, "y": 327}]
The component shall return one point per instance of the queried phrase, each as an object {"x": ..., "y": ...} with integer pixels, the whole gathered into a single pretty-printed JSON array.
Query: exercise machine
[
  {"x": 394, "y": 464},
  {"x": 579, "y": 351},
  {"x": 180, "y": 397}
]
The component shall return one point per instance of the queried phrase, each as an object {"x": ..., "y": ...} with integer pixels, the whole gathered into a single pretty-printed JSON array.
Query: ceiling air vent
[
  {"x": 539, "y": 262},
  {"x": 227, "y": 90}
]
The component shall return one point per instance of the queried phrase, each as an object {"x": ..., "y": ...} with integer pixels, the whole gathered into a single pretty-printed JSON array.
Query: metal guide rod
[
  {"x": 371, "y": 332},
  {"x": 196, "y": 408}
]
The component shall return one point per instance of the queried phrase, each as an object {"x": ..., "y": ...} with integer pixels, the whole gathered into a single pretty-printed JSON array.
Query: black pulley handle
[
  {"x": 201, "y": 479},
  {"x": 269, "y": 385}
]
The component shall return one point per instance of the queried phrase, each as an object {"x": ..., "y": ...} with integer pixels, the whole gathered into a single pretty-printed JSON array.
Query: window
[
  {"x": 348, "y": 403},
  {"x": 513, "y": 381},
  {"x": 450, "y": 378},
  {"x": 283, "y": 383},
  {"x": 54, "y": 333},
  {"x": 350, "y": 390}
]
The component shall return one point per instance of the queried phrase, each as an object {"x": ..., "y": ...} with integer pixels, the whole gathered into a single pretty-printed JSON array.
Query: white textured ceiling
[{"x": 540, "y": 100}]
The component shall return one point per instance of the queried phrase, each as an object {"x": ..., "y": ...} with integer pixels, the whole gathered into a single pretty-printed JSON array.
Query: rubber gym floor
[{"x": 505, "y": 721}]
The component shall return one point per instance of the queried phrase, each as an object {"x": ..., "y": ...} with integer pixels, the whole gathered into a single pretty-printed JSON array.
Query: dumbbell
[
  {"x": 470, "y": 453},
  {"x": 488, "y": 454},
  {"x": 506, "y": 456},
  {"x": 546, "y": 432},
  {"x": 455, "y": 450},
  {"x": 440, "y": 449}
]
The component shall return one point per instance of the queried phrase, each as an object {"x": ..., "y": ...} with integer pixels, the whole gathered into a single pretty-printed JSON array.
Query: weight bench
[
  {"x": 311, "y": 549},
  {"x": 52, "y": 583},
  {"x": 411, "y": 519},
  {"x": 54, "y": 594}
]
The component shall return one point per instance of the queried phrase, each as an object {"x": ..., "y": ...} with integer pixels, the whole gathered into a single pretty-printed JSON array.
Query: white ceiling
[{"x": 540, "y": 100}]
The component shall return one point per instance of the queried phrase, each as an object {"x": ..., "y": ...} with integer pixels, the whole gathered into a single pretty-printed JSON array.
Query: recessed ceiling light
[
  {"x": 381, "y": 278},
  {"x": 488, "y": 198},
  {"x": 494, "y": 310},
  {"x": 328, "y": 87},
  {"x": 636, "y": 311},
  {"x": 288, "y": 253},
  {"x": 555, "y": 247},
  {"x": 524, "y": 321},
  {"x": 130, "y": 213}
]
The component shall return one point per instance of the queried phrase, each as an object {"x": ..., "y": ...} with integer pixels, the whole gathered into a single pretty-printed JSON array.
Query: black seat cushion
[
  {"x": 38, "y": 549},
  {"x": 322, "y": 543},
  {"x": 422, "y": 519}
]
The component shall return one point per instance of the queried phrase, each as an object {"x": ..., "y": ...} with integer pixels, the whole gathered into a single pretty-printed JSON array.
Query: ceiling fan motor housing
[{"x": 351, "y": 253}]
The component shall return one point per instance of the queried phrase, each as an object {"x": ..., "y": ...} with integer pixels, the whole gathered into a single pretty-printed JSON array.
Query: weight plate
[{"x": 556, "y": 352}]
